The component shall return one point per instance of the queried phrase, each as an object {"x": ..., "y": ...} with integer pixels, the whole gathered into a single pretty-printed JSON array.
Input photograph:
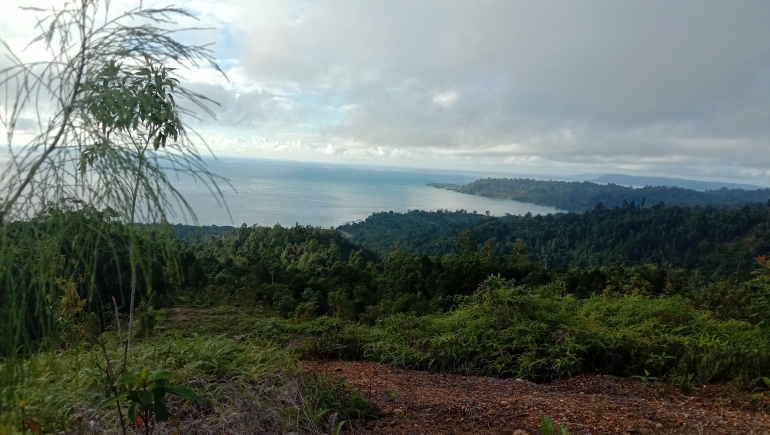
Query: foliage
[
  {"x": 432, "y": 312},
  {"x": 192, "y": 233},
  {"x": 307, "y": 272},
  {"x": 336, "y": 396},
  {"x": 744, "y": 300},
  {"x": 76, "y": 260},
  {"x": 101, "y": 92},
  {"x": 763, "y": 397},
  {"x": 546, "y": 427},
  {"x": 145, "y": 393},
  {"x": 718, "y": 243},
  {"x": 535, "y": 333},
  {"x": 70, "y": 307},
  {"x": 244, "y": 386},
  {"x": 578, "y": 196}
]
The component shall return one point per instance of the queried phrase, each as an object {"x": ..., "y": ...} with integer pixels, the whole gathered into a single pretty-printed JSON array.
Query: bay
[{"x": 268, "y": 192}]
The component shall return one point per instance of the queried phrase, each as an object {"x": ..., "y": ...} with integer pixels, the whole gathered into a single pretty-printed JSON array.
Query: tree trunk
[
  {"x": 133, "y": 296},
  {"x": 134, "y": 195},
  {"x": 117, "y": 322}
]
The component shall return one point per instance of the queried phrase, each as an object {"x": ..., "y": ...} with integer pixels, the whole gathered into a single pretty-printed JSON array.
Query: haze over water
[{"x": 319, "y": 194}]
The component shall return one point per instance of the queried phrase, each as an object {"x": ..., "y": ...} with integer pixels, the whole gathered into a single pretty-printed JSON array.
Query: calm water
[{"x": 272, "y": 191}]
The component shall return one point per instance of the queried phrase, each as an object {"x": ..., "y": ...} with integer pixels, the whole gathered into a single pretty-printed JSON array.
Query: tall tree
[{"x": 109, "y": 135}]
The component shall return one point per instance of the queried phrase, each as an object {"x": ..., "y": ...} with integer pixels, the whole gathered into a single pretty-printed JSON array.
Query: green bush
[
  {"x": 247, "y": 387},
  {"x": 507, "y": 330}
]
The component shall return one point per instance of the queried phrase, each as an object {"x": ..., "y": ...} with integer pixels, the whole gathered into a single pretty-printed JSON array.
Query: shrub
[
  {"x": 250, "y": 388},
  {"x": 536, "y": 333}
]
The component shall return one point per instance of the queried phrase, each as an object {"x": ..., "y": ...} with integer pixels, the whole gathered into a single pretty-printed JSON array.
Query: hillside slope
[
  {"x": 715, "y": 241},
  {"x": 578, "y": 196}
]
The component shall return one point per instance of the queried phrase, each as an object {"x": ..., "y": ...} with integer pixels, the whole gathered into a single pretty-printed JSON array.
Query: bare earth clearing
[{"x": 418, "y": 402}]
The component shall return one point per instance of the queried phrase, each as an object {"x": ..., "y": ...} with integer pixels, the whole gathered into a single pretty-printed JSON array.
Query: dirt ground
[{"x": 418, "y": 402}]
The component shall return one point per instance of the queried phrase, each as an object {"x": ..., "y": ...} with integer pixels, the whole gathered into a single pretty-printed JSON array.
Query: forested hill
[
  {"x": 581, "y": 196},
  {"x": 192, "y": 232},
  {"x": 638, "y": 181},
  {"x": 715, "y": 241}
]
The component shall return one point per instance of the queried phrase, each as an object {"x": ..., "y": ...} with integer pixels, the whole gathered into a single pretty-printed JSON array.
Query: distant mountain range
[{"x": 636, "y": 181}]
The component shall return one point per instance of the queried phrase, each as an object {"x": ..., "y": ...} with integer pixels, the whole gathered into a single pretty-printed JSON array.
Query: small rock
[
  {"x": 520, "y": 432},
  {"x": 398, "y": 411}
]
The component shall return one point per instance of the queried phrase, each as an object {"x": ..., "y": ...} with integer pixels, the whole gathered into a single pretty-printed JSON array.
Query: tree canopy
[{"x": 578, "y": 196}]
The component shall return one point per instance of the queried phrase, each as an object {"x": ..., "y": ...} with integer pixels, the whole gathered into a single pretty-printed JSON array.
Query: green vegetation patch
[
  {"x": 244, "y": 387},
  {"x": 717, "y": 242},
  {"x": 542, "y": 334},
  {"x": 510, "y": 331},
  {"x": 581, "y": 196}
]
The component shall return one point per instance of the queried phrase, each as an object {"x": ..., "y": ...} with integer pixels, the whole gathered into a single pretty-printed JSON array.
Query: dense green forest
[
  {"x": 482, "y": 304},
  {"x": 306, "y": 272},
  {"x": 716, "y": 242},
  {"x": 108, "y": 325},
  {"x": 438, "y": 257},
  {"x": 477, "y": 304},
  {"x": 578, "y": 196},
  {"x": 192, "y": 232}
]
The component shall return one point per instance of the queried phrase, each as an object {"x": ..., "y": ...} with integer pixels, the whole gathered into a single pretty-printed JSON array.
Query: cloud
[
  {"x": 555, "y": 80},
  {"x": 643, "y": 86},
  {"x": 331, "y": 150},
  {"x": 445, "y": 99}
]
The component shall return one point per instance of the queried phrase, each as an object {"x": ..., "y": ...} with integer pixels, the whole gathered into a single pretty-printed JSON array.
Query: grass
[
  {"x": 509, "y": 331},
  {"x": 244, "y": 363},
  {"x": 247, "y": 387},
  {"x": 531, "y": 333}
]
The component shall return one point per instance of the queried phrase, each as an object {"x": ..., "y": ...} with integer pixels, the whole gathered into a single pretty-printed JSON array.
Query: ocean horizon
[{"x": 268, "y": 192}]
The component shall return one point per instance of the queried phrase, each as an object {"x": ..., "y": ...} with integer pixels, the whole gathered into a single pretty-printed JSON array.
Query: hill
[
  {"x": 578, "y": 196},
  {"x": 249, "y": 303},
  {"x": 638, "y": 181},
  {"x": 192, "y": 232},
  {"x": 715, "y": 241}
]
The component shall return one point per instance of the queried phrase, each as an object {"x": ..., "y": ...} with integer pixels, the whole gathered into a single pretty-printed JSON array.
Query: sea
[{"x": 268, "y": 192}]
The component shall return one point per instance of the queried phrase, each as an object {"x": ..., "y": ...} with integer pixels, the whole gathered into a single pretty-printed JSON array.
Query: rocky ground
[{"x": 418, "y": 402}]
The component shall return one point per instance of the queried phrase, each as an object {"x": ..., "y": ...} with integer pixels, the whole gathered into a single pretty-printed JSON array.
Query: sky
[{"x": 680, "y": 89}]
